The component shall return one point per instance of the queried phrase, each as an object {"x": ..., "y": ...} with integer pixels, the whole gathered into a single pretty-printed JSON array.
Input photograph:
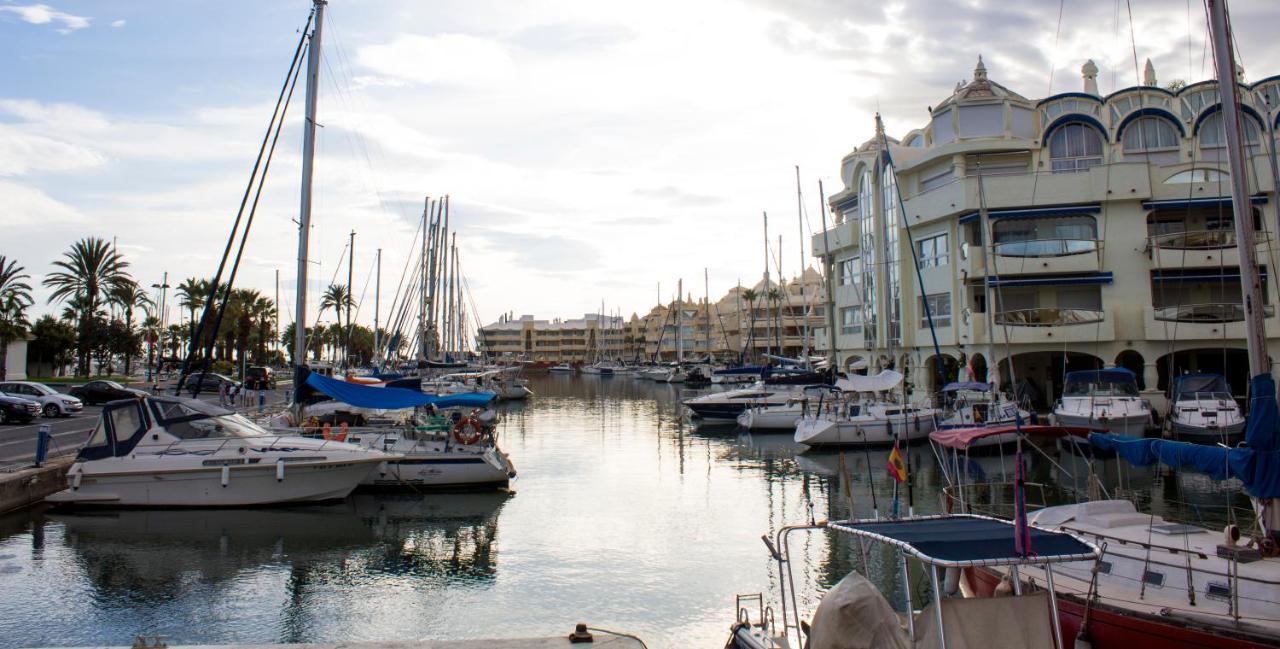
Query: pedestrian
[
  {"x": 262, "y": 394},
  {"x": 222, "y": 393}
]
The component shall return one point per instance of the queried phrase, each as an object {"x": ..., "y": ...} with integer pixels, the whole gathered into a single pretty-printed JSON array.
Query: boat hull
[
  {"x": 1201, "y": 435},
  {"x": 825, "y": 432},
  {"x": 1135, "y": 425},
  {"x": 452, "y": 471},
  {"x": 775, "y": 418}
]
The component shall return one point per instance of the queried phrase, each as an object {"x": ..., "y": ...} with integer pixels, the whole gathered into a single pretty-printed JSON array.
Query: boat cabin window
[
  {"x": 1154, "y": 578},
  {"x": 1100, "y": 389},
  {"x": 214, "y": 427},
  {"x": 99, "y": 435},
  {"x": 125, "y": 421}
]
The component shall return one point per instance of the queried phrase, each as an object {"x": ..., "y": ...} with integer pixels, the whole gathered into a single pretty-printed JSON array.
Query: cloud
[
  {"x": 25, "y": 206},
  {"x": 443, "y": 58},
  {"x": 44, "y": 14},
  {"x": 676, "y": 196},
  {"x": 117, "y": 23},
  {"x": 23, "y": 153},
  {"x": 549, "y": 253}
]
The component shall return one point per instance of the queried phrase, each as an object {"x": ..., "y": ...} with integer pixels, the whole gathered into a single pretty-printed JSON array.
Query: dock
[{"x": 26, "y": 487}]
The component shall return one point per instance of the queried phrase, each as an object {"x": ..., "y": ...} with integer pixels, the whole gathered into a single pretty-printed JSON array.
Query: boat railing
[{"x": 272, "y": 442}]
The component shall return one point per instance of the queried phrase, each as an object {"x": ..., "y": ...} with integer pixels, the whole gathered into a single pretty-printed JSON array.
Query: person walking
[{"x": 222, "y": 393}]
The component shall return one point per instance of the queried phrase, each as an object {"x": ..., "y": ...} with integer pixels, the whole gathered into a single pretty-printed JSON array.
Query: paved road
[{"x": 18, "y": 443}]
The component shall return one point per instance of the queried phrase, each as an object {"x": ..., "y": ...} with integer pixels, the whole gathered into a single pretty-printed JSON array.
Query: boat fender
[
  {"x": 280, "y": 470},
  {"x": 951, "y": 582},
  {"x": 226, "y": 474},
  {"x": 75, "y": 480}
]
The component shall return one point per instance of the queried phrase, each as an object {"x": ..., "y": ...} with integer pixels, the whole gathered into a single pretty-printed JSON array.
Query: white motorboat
[
  {"x": 727, "y": 405},
  {"x": 863, "y": 416},
  {"x": 175, "y": 452},
  {"x": 1204, "y": 411},
  {"x": 563, "y": 368},
  {"x": 972, "y": 404},
  {"x": 598, "y": 369},
  {"x": 1103, "y": 399},
  {"x": 777, "y": 416}
]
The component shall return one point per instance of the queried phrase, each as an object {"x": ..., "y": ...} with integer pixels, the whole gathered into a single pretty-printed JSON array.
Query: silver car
[{"x": 52, "y": 403}]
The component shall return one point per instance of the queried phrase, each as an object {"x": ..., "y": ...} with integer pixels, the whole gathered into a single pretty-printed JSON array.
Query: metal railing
[
  {"x": 1199, "y": 239},
  {"x": 1215, "y": 312},
  {"x": 1045, "y": 247},
  {"x": 1048, "y": 317}
]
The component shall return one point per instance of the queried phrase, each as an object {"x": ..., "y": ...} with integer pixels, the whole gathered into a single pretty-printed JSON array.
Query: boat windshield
[
  {"x": 1193, "y": 387},
  {"x": 191, "y": 419},
  {"x": 1099, "y": 389}
]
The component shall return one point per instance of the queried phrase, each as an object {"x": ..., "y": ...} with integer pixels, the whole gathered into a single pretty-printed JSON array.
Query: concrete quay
[{"x": 26, "y": 487}]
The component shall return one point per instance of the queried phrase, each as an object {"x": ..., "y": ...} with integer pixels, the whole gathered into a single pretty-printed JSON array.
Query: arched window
[
  {"x": 1149, "y": 134},
  {"x": 1075, "y": 147},
  {"x": 1213, "y": 133}
]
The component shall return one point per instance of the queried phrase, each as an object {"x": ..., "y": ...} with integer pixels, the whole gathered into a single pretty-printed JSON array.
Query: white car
[{"x": 52, "y": 403}]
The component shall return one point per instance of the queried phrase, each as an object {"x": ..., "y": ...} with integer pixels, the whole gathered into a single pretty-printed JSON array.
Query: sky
[{"x": 594, "y": 152}]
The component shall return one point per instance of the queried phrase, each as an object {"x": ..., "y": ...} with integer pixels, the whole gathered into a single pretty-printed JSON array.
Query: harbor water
[{"x": 623, "y": 515}]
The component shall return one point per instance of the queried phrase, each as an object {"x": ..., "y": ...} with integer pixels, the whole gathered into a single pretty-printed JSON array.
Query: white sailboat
[{"x": 863, "y": 415}]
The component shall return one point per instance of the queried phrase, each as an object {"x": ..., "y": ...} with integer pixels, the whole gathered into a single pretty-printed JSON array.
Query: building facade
[
  {"x": 580, "y": 340},
  {"x": 1043, "y": 236}
]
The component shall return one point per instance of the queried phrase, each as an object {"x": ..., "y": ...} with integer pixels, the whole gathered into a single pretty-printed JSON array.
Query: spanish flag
[{"x": 897, "y": 467}]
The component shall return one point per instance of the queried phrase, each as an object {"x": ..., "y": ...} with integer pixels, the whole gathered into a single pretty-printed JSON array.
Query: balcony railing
[
  {"x": 1048, "y": 317},
  {"x": 1045, "y": 247},
  {"x": 1195, "y": 240},
  {"x": 1212, "y": 313}
]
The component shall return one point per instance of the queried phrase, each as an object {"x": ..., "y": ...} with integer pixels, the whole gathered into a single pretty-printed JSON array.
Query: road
[{"x": 18, "y": 442}]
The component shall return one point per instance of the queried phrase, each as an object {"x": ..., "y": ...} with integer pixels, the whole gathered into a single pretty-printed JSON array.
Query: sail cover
[
  {"x": 382, "y": 398},
  {"x": 885, "y": 380}
]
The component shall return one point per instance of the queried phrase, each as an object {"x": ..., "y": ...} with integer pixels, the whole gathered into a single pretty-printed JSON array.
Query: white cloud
[
  {"x": 42, "y": 14},
  {"x": 23, "y": 153},
  {"x": 26, "y": 206},
  {"x": 445, "y": 58},
  {"x": 118, "y": 23}
]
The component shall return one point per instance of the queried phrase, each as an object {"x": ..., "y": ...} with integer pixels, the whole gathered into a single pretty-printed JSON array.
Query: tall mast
[
  {"x": 308, "y": 171},
  {"x": 351, "y": 287},
  {"x": 1250, "y": 282},
  {"x": 377, "y": 291},
  {"x": 680, "y": 321},
  {"x": 804, "y": 305},
  {"x": 829, "y": 266},
  {"x": 706, "y": 304},
  {"x": 427, "y": 232},
  {"x": 768, "y": 347}
]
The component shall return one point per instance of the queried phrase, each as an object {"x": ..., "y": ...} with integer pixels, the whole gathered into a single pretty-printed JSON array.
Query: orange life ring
[{"x": 459, "y": 434}]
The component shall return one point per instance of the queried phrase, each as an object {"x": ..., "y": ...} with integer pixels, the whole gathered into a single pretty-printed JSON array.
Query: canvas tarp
[
  {"x": 386, "y": 398},
  {"x": 988, "y": 623},
  {"x": 854, "y": 615}
]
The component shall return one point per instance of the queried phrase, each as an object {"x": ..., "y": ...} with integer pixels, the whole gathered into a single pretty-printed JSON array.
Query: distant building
[
  {"x": 580, "y": 340},
  {"x": 1109, "y": 240}
]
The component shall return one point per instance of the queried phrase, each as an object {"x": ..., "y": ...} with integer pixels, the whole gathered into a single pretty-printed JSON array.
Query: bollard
[{"x": 42, "y": 445}]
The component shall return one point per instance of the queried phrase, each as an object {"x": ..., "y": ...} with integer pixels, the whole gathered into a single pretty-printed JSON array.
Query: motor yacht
[
  {"x": 563, "y": 368},
  {"x": 1203, "y": 410},
  {"x": 173, "y": 452},
  {"x": 971, "y": 403},
  {"x": 864, "y": 415},
  {"x": 1103, "y": 398},
  {"x": 727, "y": 405}
]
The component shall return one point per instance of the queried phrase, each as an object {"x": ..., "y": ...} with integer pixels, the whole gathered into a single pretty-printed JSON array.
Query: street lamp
[{"x": 163, "y": 287}]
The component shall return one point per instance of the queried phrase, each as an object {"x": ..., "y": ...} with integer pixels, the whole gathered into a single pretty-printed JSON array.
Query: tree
[
  {"x": 53, "y": 342},
  {"x": 129, "y": 296},
  {"x": 87, "y": 273},
  {"x": 750, "y": 296},
  {"x": 15, "y": 297},
  {"x": 775, "y": 299},
  {"x": 191, "y": 294},
  {"x": 338, "y": 298}
]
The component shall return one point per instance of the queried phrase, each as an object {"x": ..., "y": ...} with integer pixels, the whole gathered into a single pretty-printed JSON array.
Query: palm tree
[
  {"x": 264, "y": 309},
  {"x": 775, "y": 298},
  {"x": 191, "y": 294},
  {"x": 750, "y": 296},
  {"x": 88, "y": 272},
  {"x": 337, "y": 297},
  {"x": 129, "y": 296},
  {"x": 15, "y": 297}
]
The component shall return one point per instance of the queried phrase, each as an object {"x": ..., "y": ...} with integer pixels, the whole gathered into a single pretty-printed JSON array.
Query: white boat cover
[
  {"x": 854, "y": 615},
  {"x": 882, "y": 382},
  {"x": 988, "y": 623}
]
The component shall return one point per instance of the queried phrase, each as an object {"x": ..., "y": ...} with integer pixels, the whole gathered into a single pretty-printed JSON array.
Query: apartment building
[
  {"x": 1043, "y": 236},
  {"x": 578, "y": 340}
]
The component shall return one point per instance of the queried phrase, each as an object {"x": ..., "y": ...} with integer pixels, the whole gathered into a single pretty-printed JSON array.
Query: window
[
  {"x": 848, "y": 269},
  {"x": 850, "y": 320},
  {"x": 939, "y": 306},
  {"x": 1075, "y": 147},
  {"x": 1046, "y": 237},
  {"x": 933, "y": 251},
  {"x": 1154, "y": 578},
  {"x": 1149, "y": 134},
  {"x": 1213, "y": 133},
  {"x": 1198, "y": 176}
]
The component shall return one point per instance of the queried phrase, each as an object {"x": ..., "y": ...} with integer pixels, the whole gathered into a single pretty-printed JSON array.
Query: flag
[{"x": 897, "y": 467}]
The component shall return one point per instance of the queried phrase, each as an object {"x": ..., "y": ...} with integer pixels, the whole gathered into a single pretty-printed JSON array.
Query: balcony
[
  {"x": 1046, "y": 256},
  {"x": 1211, "y": 321},
  {"x": 836, "y": 237},
  {"x": 1199, "y": 249},
  {"x": 1042, "y": 325}
]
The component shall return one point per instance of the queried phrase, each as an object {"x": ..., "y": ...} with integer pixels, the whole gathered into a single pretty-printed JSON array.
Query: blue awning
[
  {"x": 1216, "y": 201},
  {"x": 1036, "y": 212},
  {"x": 1055, "y": 280},
  {"x": 384, "y": 398}
]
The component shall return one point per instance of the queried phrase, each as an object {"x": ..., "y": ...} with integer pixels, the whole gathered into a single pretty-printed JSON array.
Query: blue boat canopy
[
  {"x": 387, "y": 398},
  {"x": 1257, "y": 464},
  {"x": 1189, "y": 385},
  {"x": 967, "y": 540},
  {"x": 972, "y": 386}
]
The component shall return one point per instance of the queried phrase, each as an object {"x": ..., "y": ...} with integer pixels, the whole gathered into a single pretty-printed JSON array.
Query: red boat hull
[{"x": 1112, "y": 628}]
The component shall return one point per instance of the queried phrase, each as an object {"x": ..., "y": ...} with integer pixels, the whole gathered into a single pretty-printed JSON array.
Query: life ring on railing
[{"x": 459, "y": 431}]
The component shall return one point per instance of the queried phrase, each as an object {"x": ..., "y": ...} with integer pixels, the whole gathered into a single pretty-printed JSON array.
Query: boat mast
[
  {"x": 680, "y": 321},
  {"x": 706, "y": 303},
  {"x": 304, "y": 211},
  {"x": 351, "y": 287},
  {"x": 804, "y": 304},
  {"x": 768, "y": 348},
  {"x": 377, "y": 293},
  {"x": 427, "y": 232},
  {"x": 830, "y": 268},
  {"x": 1250, "y": 282}
]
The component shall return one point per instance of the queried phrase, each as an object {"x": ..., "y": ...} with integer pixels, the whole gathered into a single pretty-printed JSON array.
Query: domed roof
[{"x": 981, "y": 89}]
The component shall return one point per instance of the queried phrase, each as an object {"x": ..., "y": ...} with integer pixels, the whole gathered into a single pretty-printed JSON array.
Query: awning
[
  {"x": 962, "y": 540},
  {"x": 1053, "y": 280},
  {"x": 384, "y": 398},
  {"x": 963, "y": 438},
  {"x": 1216, "y": 201},
  {"x": 884, "y": 381},
  {"x": 1035, "y": 212}
]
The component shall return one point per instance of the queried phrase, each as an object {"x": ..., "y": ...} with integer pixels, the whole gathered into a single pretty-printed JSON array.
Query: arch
[
  {"x": 1139, "y": 90},
  {"x": 1040, "y": 374},
  {"x": 1069, "y": 118},
  {"x": 856, "y": 364},
  {"x": 1217, "y": 108},
  {"x": 1148, "y": 112},
  {"x": 1231, "y": 362},
  {"x": 1075, "y": 143},
  {"x": 1132, "y": 361},
  {"x": 1068, "y": 95},
  {"x": 950, "y": 371}
]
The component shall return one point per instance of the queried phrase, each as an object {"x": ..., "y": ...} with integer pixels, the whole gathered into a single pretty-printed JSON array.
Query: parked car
[
  {"x": 258, "y": 375},
  {"x": 17, "y": 409},
  {"x": 52, "y": 403},
  {"x": 209, "y": 382},
  {"x": 96, "y": 392}
]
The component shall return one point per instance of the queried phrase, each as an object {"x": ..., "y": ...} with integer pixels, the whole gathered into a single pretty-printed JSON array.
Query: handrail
[
  {"x": 1211, "y": 312},
  {"x": 1199, "y": 239},
  {"x": 1049, "y": 317},
  {"x": 1045, "y": 247}
]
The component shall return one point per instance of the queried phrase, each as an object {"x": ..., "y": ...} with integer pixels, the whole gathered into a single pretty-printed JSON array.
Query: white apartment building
[
  {"x": 577, "y": 340},
  {"x": 1108, "y": 238}
]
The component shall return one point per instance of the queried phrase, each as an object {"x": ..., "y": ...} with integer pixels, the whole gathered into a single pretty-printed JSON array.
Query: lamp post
[{"x": 163, "y": 287}]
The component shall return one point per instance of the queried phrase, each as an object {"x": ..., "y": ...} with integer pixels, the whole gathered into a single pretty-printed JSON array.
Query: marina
[{"x": 1017, "y": 389}]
